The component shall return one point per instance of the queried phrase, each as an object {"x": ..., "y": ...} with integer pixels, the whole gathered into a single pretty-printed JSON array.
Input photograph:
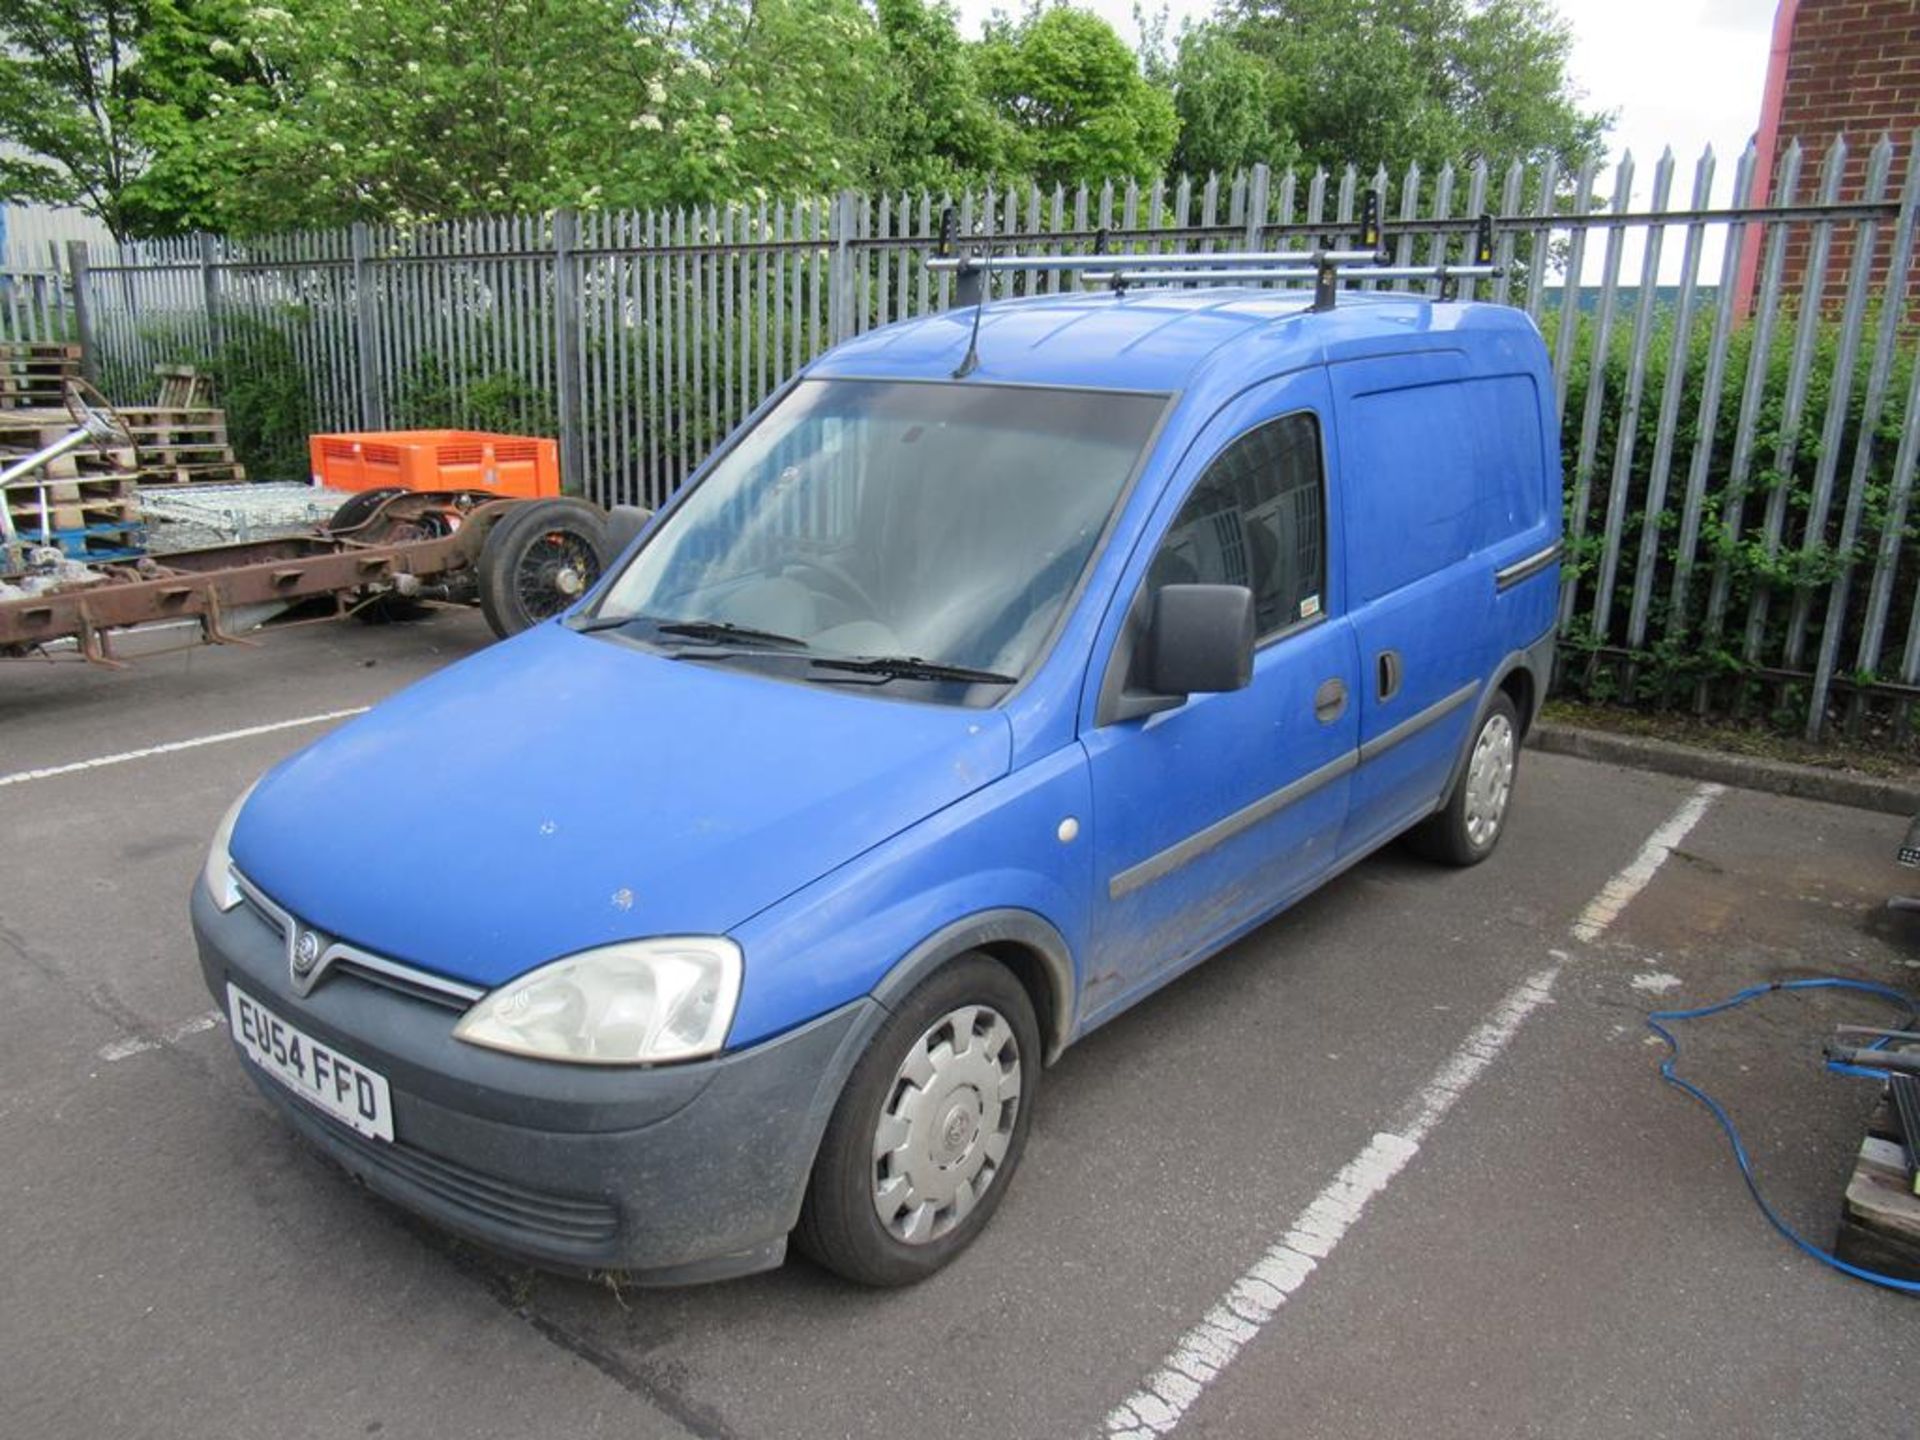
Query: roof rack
[{"x": 1325, "y": 267}]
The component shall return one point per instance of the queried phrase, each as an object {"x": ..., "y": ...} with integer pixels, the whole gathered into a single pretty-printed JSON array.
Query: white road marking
[
  {"x": 1199, "y": 1356},
  {"x": 124, "y": 1049},
  {"x": 1618, "y": 892},
  {"x": 20, "y": 777}
]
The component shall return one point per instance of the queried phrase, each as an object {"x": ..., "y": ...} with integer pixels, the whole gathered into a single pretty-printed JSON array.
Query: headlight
[
  {"x": 218, "y": 873},
  {"x": 637, "y": 1003}
]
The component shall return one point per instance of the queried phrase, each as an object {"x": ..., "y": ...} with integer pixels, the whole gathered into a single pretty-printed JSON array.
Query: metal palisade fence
[{"x": 1739, "y": 461}]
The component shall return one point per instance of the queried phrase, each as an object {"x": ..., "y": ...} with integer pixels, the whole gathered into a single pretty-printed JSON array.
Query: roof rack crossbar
[
  {"x": 1256, "y": 275},
  {"x": 1327, "y": 267},
  {"x": 1107, "y": 260}
]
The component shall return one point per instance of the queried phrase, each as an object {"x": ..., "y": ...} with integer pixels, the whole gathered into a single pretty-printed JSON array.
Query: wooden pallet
[
  {"x": 24, "y": 431},
  {"x": 79, "y": 464},
  {"x": 183, "y": 387},
  {"x": 28, "y": 518},
  {"x": 1880, "y": 1222},
  {"x": 37, "y": 368},
  {"x": 70, "y": 504},
  {"x": 27, "y": 399},
  {"x": 177, "y": 445},
  {"x": 33, "y": 374},
  {"x": 38, "y": 350},
  {"x": 174, "y": 419},
  {"x": 183, "y": 445},
  {"x": 224, "y": 472}
]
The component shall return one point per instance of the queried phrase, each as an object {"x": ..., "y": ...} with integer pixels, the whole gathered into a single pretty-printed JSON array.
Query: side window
[{"x": 1257, "y": 517}]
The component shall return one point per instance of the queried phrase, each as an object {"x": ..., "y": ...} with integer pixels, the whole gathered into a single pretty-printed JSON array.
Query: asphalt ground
[{"x": 1567, "y": 1250}]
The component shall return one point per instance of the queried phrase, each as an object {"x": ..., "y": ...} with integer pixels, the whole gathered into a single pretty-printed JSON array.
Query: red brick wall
[{"x": 1853, "y": 69}]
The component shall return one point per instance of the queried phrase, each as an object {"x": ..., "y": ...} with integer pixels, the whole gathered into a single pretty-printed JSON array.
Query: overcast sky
[{"x": 1684, "y": 73}]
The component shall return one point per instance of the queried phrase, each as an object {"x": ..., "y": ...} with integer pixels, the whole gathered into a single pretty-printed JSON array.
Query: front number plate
[{"x": 318, "y": 1074}]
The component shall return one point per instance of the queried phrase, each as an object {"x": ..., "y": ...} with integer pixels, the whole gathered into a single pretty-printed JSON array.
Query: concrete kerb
[{"x": 1778, "y": 777}]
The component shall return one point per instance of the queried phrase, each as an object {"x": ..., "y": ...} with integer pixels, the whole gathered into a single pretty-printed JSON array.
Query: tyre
[
  {"x": 929, "y": 1130},
  {"x": 539, "y": 559},
  {"x": 1470, "y": 824},
  {"x": 356, "y": 510}
]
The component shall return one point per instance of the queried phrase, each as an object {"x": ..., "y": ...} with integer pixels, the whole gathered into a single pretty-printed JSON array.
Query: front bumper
[{"x": 672, "y": 1174}]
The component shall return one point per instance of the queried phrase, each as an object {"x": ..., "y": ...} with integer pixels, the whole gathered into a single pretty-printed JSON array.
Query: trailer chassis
[{"x": 414, "y": 545}]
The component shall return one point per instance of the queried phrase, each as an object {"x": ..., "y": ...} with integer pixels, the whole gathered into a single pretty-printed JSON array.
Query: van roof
[{"x": 1166, "y": 339}]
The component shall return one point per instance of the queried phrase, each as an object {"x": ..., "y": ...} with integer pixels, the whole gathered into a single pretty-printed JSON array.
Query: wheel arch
[
  {"x": 1522, "y": 676},
  {"x": 1026, "y": 943}
]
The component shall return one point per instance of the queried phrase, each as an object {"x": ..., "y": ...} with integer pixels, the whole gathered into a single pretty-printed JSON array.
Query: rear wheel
[
  {"x": 929, "y": 1130},
  {"x": 1467, "y": 828},
  {"x": 538, "y": 560},
  {"x": 356, "y": 510}
]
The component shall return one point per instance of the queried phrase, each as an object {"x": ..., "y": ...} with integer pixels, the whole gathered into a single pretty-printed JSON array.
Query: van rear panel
[{"x": 1446, "y": 478}]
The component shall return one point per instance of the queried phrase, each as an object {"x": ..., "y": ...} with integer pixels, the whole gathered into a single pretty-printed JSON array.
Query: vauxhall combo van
[{"x": 1006, "y": 664}]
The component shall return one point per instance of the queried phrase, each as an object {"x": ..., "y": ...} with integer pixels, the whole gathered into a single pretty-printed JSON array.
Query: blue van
[{"x": 1007, "y": 663}]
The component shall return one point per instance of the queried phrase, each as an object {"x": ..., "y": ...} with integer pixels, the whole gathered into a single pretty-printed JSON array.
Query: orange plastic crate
[{"x": 522, "y": 466}]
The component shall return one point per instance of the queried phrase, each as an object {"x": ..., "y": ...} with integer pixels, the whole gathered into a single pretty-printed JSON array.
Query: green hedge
[{"x": 1681, "y": 652}]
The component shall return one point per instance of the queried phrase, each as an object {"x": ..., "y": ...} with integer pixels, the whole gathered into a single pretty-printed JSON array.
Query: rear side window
[{"x": 1257, "y": 518}]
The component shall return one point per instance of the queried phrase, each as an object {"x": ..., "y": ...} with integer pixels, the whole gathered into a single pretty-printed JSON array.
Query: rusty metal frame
[{"x": 205, "y": 585}]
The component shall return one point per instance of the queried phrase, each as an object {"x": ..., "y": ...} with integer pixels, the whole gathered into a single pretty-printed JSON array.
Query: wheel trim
[
  {"x": 555, "y": 570},
  {"x": 945, "y": 1128},
  {"x": 1489, "y": 781}
]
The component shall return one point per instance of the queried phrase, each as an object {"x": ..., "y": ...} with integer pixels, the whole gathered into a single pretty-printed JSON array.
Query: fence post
[
  {"x": 840, "y": 278},
  {"x": 82, "y": 279},
  {"x": 566, "y": 349},
  {"x": 372, "y": 411},
  {"x": 1257, "y": 182},
  {"x": 210, "y": 293}
]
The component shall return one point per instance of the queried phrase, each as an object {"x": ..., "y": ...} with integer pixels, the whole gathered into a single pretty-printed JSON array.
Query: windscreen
[{"x": 945, "y": 522}]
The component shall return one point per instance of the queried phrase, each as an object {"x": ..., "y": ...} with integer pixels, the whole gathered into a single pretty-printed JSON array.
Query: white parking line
[
  {"x": 124, "y": 1049},
  {"x": 1618, "y": 892},
  {"x": 1200, "y": 1355},
  {"x": 20, "y": 777}
]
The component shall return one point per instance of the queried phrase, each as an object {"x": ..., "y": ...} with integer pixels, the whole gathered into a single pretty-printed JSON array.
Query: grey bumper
[{"x": 674, "y": 1174}]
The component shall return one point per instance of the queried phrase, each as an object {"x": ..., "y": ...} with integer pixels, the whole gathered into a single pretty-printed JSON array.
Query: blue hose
[{"x": 1657, "y": 1023}]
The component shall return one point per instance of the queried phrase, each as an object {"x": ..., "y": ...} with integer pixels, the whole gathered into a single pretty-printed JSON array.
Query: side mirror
[{"x": 1200, "y": 639}]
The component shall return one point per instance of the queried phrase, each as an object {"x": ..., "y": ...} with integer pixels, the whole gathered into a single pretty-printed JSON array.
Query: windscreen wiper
[
  {"x": 727, "y": 630},
  {"x": 714, "y": 630},
  {"x": 912, "y": 667}
]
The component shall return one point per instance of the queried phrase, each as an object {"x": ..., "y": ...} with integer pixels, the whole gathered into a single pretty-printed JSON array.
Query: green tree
[
  {"x": 265, "y": 118},
  {"x": 189, "y": 55},
  {"x": 346, "y": 111},
  {"x": 1084, "y": 111},
  {"x": 944, "y": 133},
  {"x": 66, "y": 104},
  {"x": 790, "y": 97},
  {"x": 1227, "y": 121},
  {"x": 1381, "y": 82}
]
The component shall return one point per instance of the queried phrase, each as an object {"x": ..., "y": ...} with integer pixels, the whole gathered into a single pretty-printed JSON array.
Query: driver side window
[{"x": 1256, "y": 517}]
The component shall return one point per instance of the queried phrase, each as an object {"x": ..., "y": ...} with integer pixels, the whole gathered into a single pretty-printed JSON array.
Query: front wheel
[
  {"x": 1467, "y": 828},
  {"x": 929, "y": 1131},
  {"x": 538, "y": 559}
]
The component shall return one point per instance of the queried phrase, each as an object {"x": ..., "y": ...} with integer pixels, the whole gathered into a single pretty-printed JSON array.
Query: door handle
[
  {"x": 1387, "y": 681},
  {"x": 1330, "y": 701}
]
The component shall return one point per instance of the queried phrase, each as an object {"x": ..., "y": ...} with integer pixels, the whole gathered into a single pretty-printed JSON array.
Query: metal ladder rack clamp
[{"x": 1325, "y": 267}]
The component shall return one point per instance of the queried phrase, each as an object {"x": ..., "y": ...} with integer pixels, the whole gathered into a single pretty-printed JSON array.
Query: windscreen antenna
[{"x": 972, "y": 282}]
